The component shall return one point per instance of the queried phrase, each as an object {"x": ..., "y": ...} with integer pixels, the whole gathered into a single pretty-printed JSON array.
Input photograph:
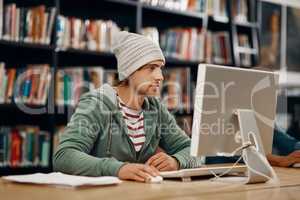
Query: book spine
[{"x": 1, "y": 18}]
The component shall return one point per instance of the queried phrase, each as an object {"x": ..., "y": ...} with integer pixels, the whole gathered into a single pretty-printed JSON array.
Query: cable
[
  {"x": 244, "y": 147},
  {"x": 226, "y": 172}
]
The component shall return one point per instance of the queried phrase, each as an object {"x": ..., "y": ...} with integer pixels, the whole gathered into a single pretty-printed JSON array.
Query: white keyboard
[{"x": 203, "y": 171}]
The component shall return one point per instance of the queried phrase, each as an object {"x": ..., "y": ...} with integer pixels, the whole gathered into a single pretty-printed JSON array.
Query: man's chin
[{"x": 152, "y": 94}]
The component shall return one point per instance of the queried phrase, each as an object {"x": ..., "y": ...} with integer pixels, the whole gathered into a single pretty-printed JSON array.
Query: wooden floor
[{"x": 287, "y": 188}]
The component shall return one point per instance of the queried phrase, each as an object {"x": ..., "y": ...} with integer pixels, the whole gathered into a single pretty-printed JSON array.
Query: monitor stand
[{"x": 259, "y": 169}]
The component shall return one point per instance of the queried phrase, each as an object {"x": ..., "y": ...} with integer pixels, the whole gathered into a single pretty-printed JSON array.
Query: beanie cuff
[{"x": 138, "y": 64}]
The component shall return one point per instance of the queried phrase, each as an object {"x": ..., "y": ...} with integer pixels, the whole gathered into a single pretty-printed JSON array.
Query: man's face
[{"x": 147, "y": 80}]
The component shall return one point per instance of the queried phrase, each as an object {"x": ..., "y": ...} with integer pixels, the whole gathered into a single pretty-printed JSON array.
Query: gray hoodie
[{"x": 95, "y": 141}]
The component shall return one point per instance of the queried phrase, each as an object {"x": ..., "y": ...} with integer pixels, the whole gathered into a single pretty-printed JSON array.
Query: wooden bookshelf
[
  {"x": 130, "y": 14},
  {"x": 4, "y": 171},
  {"x": 26, "y": 45}
]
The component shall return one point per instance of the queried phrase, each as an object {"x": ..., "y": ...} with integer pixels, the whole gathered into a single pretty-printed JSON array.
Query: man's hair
[
  {"x": 123, "y": 83},
  {"x": 126, "y": 81}
]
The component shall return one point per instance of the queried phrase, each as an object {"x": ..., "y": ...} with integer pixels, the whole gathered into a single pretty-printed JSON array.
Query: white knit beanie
[{"x": 133, "y": 51}]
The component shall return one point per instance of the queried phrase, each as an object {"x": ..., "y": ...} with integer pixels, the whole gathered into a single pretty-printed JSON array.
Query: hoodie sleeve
[
  {"x": 175, "y": 142},
  {"x": 283, "y": 143},
  {"x": 72, "y": 155}
]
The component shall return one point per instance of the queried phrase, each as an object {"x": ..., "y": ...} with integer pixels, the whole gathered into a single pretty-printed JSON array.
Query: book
[
  {"x": 3, "y": 82},
  {"x": 270, "y": 36},
  {"x": 11, "y": 77},
  {"x": 1, "y": 18},
  {"x": 217, "y": 9},
  {"x": 239, "y": 11},
  {"x": 185, "y": 123},
  {"x": 59, "y": 130},
  {"x": 111, "y": 77},
  {"x": 152, "y": 33},
  {"x": 245, "y": 58},
  {"x": 175, "y": 91}
]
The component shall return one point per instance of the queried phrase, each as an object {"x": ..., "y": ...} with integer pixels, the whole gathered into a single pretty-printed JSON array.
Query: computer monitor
[{"x": 229, "y": 99}]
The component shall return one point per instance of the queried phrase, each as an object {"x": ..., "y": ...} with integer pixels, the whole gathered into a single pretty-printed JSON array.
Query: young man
[{"x": 116, "y": 131}]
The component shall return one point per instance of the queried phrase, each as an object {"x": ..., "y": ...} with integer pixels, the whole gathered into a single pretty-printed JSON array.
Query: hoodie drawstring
[{"x": 108, "y": 146}]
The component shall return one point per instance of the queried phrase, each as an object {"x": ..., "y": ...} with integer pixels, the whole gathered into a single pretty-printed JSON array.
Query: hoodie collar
[{"x": 110, "y": 98}]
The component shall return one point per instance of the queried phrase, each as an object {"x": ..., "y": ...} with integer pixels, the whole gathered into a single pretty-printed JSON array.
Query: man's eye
[{"x": 152, "y": 67}]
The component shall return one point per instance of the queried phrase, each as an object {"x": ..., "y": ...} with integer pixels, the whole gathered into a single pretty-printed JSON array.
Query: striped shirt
[{"x": 134, "y": 121}]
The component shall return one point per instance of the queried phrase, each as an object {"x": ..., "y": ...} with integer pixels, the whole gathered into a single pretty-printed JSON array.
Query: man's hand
[
  {"x": 284, "y": 161},
  {"x": 137, "y": 172},
  {"x": 163, "y": 162}
]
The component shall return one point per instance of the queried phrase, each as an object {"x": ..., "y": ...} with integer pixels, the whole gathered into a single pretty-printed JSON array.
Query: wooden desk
[{"x": 201, "y": 189}]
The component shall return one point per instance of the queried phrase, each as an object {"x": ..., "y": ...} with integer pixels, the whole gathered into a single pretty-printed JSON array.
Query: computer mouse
[
  {"x": 296, "y": 165},
  {"x": 155, "y": 179}
]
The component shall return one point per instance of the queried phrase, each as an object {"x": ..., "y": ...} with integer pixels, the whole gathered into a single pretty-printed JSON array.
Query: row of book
[
  {"x": 193, "y": 44},
  {"x": 217, "y": 48},
  {"x": 29, "y": 85},
  {"x": 181, "y": 5},
  {"x": 27, "y": 24},
  {"x": 183, "y": 43},
  {"x": 215, "y": 8},
  {"x": 24, "y": 146},
  {"x": 95, "y": 35},
  {"x": 72, "y": 82}
]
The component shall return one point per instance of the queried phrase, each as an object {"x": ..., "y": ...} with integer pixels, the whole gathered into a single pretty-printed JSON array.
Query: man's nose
[{"x": 159, "y": 76}]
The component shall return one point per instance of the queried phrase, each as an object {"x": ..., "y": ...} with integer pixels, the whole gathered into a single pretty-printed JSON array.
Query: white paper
[{"x": 60, "y": 179}]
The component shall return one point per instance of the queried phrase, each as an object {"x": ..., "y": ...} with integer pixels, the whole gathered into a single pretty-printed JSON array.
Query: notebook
[{"x": 60, "y": 179}]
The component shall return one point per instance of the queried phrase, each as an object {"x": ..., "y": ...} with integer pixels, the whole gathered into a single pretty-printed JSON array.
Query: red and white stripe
[{"x": 135, "y": 125}]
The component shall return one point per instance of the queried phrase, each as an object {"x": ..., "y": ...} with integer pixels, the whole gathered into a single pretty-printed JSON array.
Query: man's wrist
[{"x": 177, "y": 162}]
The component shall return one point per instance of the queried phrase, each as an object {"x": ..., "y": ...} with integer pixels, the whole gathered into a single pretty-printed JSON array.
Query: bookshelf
[
  {"x": 128, "y": 15},
  {"x": 245, "y": 30},
  {"x": 278, "y": 52}
]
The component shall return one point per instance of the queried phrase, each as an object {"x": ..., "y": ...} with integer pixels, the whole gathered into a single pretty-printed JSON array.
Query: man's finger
[
  {"x": 144, "y": 175},
  {"x": 149, "y": 162},
  {"x": 152, "y": 172},
  {"x": 138, "y": 178},
  {"x": 165, "y": 169},
  {"x": 155, "y": 170},
  {"x": 158, "y": 161},
  {"x": 163, "y": 165}
]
